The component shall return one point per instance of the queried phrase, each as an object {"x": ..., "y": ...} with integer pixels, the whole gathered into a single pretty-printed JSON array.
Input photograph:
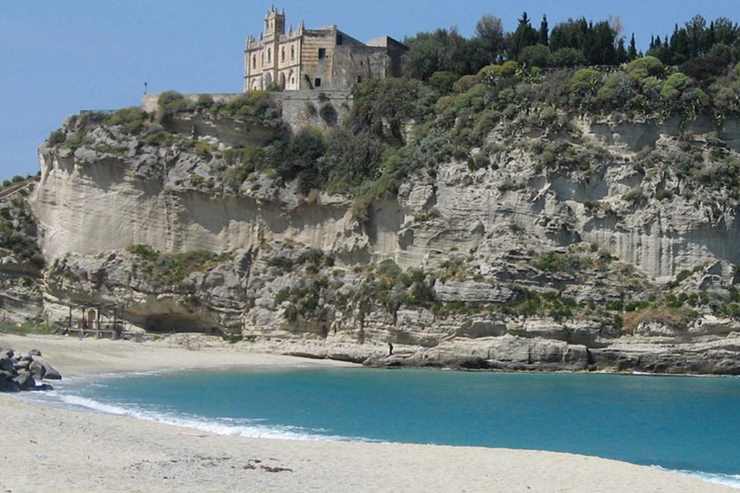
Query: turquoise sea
[{"x": 687, "y": 424}]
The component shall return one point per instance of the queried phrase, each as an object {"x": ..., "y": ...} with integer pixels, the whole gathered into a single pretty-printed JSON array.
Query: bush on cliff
[
  {"x": 171, "y": 103},
  {"x": 171, "y": 269},
  {"x": 132, "y": 120}
]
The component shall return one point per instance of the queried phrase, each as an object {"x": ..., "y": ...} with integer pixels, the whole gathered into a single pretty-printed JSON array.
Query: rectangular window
[
  {"x": 340, "y": 39},
  {"x": 322, "y": 53},
  {"x": 317, "y": 83}
]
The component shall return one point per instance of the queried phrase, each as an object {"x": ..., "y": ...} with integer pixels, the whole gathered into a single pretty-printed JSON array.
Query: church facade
[{"x": 325, "y": 58}]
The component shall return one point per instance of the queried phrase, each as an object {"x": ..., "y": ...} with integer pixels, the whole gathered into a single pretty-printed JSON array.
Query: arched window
[
  {"x": 269, "y": 55},
  {"x": 254, "y": 61},
  {"x": 282, "y": 54},
  {"x": 292, "y": 53}
]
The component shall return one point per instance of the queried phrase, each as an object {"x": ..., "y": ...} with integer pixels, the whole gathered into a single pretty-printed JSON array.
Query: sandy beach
[{"x": 53, "y": 449}]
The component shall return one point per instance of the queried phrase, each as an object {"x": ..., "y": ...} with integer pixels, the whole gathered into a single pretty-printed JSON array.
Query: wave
[
  {"x": 219, "y": 426},
  {"x": 731, "y": 480}
]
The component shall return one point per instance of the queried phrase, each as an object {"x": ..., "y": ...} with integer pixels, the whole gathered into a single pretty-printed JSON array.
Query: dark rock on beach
[{"x": 25, "y": 372}]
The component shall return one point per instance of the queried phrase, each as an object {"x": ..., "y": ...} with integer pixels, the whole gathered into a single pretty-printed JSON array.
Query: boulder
[
  {"x": 6, "y": 364},
  {"x": 49, "y": 372},
  {"x": 34, "y": 352},
  {"x": 25, "y": 380},
  {"x": 37, "y": 370},
  {"x": 22, "y": 365},
  {"x": 8, "y": 385}
]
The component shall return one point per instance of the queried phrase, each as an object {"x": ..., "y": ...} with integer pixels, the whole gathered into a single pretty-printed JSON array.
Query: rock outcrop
[{"x": 25, "y": 372}]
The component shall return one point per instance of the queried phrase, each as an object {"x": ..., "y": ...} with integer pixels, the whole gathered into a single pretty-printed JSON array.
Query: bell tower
[{"x": 274, "y": 23}]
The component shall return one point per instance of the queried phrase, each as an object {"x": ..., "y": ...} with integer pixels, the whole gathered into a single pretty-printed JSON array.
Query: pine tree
[
  {"x": 632, "y": 52},
  {"x": 544, "y": 32}
]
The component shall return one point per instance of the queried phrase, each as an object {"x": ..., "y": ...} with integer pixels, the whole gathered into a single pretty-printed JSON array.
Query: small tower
[{"x": 274, "y": 23}]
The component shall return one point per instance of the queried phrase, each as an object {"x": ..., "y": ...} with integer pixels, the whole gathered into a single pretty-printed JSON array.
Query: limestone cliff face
[
  {"x": 115, "y": 192},
  {"x": 518, "y": 226}
]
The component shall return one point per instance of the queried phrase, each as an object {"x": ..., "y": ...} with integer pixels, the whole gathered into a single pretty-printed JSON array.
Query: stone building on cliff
[{"x": 324, "y": 58}]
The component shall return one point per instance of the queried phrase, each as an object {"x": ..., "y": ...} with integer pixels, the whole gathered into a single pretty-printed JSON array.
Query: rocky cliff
[{"x": 557, "y": 239}]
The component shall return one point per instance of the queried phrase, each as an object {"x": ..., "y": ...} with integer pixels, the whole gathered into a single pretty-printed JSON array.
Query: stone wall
[{"x": 303, "y": 109}]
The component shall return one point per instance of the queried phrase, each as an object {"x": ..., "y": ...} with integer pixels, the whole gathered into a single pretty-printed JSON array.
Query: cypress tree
[
  {"x": 544, "y": 31},
  {"x": 632, "y": 52},
  {"x": 622, "y": 56},
  {"x": 525, "y": 35}
]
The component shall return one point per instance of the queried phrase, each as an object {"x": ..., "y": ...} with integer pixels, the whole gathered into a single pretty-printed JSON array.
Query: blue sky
[{"x": 58, "y": 57}]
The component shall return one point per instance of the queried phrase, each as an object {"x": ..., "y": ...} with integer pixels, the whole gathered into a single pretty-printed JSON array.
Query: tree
[
  {"x": 601, "y": 49},
  {"x": 725, "y": 31},
  {"x": 570, "y": 34},
  {"x": 525, "y": 35},
  {"x": 440, "y": 50},
  {"x": 490, "y": 32},
  {"x": 695, "y": 29},
  {"x": 544, "y": 32},
  {"x": 535, "y": 56},
  {"x": 632, "y": 52},
  {"x": 679, "y": 45},
  {"x": 622, "y": 56},
  {"x": 567, "y": 57}
]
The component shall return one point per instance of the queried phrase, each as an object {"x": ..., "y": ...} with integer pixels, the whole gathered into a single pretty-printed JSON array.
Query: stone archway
[
  {"x": 283, "y": 82},
  {"x": 268, "y": 80}
]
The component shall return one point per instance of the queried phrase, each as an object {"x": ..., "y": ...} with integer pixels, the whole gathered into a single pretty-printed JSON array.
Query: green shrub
[
  {"x": 133, "y": 120},
  {"x": 57, "y": 137},
  {"x": 443, "y": 82},
  {"x": 559, "y": 262},
  {"x": 506, "y": 70},
  {"x": 645, "y": 67},
  {"x": 567, "y": 57},
  {"x": 144, "y": 251},
  {"x": 254, "y": 105},
  {"x": 171, "y": 269},
  {"x": 170, "y": 103},
  {"x": 465, "y": 83},
  {"x": 634, "y": 195},
  {"x": 535, "y": 56},
  {"x": 674, "y": 86},
  {"x": 585, "y": 82},
  {"x": 616, "y": 92}
]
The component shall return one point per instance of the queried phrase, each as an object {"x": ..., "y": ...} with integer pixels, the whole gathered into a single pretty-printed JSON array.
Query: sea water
[{"x": 686, "y": 424}]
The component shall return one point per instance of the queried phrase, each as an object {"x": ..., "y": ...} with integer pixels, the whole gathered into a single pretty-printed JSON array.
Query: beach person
[{"x": 390, "y": 349}]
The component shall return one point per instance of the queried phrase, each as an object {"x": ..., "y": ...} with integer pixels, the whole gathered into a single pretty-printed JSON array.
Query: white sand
[{"x": 50, "y": 449}]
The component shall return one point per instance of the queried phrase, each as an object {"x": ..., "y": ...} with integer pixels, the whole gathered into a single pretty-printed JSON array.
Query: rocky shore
[{"x": 25, "y": 372}]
